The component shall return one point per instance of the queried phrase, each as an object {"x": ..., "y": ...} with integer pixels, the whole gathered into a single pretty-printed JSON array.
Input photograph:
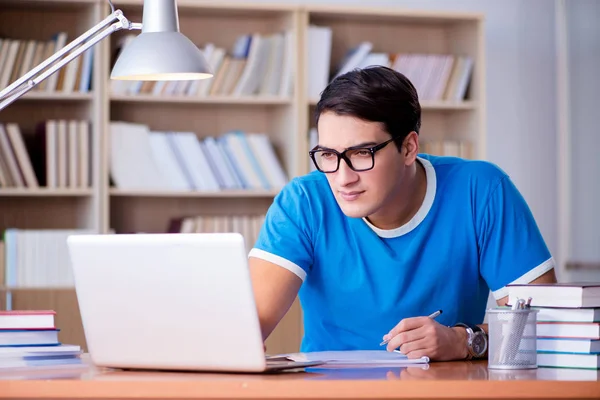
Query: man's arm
[
  {"x": 547, "y": 277},
  {"x": 423, "y": 336},
  {"x": 275, "y": 289}
]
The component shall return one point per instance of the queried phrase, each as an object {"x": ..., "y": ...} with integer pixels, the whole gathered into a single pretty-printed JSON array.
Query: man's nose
[{"x": 345, "y": 175}]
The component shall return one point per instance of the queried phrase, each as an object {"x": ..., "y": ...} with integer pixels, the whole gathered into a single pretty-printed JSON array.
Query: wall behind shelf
[{"x": 521, "y": 92}]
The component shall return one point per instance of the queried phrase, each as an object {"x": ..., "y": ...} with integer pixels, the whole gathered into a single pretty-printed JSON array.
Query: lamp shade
[{"x": 161, "y": 51}]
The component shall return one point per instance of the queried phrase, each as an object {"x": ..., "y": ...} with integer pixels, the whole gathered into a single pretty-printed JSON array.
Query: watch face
[{"x": 479, "y": 344}]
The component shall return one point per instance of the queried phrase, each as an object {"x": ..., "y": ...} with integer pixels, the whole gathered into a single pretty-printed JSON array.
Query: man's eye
[
  {"x": 363, "y": 153},
  {"x": 327, "y": 155}
]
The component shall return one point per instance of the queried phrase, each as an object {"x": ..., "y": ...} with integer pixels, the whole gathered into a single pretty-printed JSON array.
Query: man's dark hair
[{"x": 377, "y": 94}]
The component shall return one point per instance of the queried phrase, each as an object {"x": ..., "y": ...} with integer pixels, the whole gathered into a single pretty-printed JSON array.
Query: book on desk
[
  {"x": 29, "y": 338},
  {"x": 568, "y": 322}
]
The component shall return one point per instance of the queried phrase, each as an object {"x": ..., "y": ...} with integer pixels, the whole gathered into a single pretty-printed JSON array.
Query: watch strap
[
  {"x": 474, "y": 328},
  {"x": 470, "y": 333}
]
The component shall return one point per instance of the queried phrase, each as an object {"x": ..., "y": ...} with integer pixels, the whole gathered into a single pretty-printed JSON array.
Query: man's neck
[{"x": 406, "y": 202}]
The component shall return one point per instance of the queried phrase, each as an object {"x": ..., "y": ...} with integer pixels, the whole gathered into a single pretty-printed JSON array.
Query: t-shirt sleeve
[
  {"x": 285, "y": 236},
  {"x": 511, "y": 246}
]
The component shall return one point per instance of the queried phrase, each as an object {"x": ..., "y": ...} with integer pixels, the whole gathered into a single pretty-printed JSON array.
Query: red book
[{"x": 27, "y": 319}]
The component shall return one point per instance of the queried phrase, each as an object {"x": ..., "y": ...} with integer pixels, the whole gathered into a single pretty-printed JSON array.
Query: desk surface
[{"x": 436, "y": 381}]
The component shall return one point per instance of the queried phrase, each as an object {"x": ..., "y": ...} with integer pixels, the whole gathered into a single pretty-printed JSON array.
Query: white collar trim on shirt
[{"x": 421, "y": 213}]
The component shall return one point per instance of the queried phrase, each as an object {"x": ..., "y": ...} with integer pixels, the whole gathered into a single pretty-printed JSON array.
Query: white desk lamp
[{"x": 160, "y": 52}]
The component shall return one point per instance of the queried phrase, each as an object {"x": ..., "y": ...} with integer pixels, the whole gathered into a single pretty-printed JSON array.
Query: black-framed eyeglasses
[{"x": 358, "y": 158}]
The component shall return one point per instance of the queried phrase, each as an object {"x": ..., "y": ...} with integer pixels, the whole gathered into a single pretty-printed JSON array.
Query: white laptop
[{"x": 169, "y": 302}]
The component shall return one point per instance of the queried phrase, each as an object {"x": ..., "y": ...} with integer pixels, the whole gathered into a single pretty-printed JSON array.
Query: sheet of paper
[{"x": 363, "y": 358}]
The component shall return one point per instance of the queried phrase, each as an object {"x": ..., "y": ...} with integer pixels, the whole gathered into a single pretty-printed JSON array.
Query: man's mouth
[{"x": 350, "y": 196}]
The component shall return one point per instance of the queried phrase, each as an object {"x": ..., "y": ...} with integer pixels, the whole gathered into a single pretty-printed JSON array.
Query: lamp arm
[{"x": 102, "y": 30}]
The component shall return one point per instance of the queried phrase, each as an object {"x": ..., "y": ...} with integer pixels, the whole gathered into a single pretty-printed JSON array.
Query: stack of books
[
  {"x": 30, "y": 339},
  {"x": 568, "y": 322}
]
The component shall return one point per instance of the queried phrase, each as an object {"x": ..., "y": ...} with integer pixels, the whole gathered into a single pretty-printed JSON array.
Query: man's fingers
[
  {"x": 405, "y": 337},
  {"x": 417, "y": 354},
  {"x": 412, "y": 346},
  {"x": 407, "y": 324}
]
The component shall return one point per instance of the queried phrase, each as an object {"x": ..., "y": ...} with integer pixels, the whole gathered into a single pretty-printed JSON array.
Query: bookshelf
[{"x": 284, "y": 116}]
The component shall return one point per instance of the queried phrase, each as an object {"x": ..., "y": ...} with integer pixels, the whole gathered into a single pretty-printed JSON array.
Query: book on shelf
[
  {"x": 29, "y": 338},
  {"x": 57, "y": 155},
  {"x": 247, "y": 225},
  {"x": 256, "y": 65},
  {"x": 144, "y": 159},
  {"x": 37, "y": 257},
  {"x": 19, "y": 56},
  {"x": 567, "y": 322},
  {"x": 440, "y": 77}
]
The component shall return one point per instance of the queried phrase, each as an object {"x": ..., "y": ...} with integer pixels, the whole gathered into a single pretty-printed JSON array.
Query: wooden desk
[{"x": 451, "y": 380}]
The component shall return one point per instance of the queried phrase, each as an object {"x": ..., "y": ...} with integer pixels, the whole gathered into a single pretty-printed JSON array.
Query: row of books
[
  {"x": 257, "y": 64},
  {"x": 29, "y": 338},
  {"x": 247, "y": 225},
  {"x": 36, "y": 257},
  {"x": 19, "y": 56},
  {"x": 448, "y": 147},
  {"x": 435, "y": 76},
  {"x": 151, "y": 160},
  {"x": 568, "y": 322},
  {"x": 58, "y": 155}
]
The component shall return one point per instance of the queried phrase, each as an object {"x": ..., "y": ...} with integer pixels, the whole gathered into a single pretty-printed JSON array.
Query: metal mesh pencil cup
[{"x": 512, "y": 338}]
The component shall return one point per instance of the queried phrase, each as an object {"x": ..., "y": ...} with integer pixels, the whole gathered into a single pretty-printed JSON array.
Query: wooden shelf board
[
  {"x": 433, "y": 105},
  {"x": 448, "y": 105},
  {"x": 395, "y": 13},
  {"x": 228, "y": 7},
  {"x": 194, "y": 194},
  {"x": 65, "y": 4},
  {"x": 245, "y": 100},
  {"x": 43, "y": 192},
  {"x": 35, "y": 288},
  {"x": 57, "y": 96}
]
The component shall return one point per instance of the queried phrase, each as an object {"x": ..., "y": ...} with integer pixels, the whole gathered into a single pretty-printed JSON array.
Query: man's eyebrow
[{"x": 364, "y": 144}]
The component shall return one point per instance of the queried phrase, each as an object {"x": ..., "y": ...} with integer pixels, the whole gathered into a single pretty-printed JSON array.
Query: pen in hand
[{"x": 432, "y": 316}]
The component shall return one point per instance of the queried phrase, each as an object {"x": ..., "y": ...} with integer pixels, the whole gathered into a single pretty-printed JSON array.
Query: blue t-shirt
[{"x": 473, "y": 233}]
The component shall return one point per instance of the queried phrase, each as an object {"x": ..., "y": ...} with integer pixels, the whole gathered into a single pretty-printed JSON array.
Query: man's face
[{"x": 360, "y": 194}]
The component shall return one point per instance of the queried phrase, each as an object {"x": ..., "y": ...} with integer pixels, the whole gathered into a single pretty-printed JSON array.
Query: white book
[
  {"x": 22, "y": 155},
  {"x": 195, "y": 161},
  {"x": 62, "y": 153},
  {"x": 73, "y": 147},
  {"x": 286, "y": 82},
  {"x": 51, "y": 153},
  {"x": 220, "y": 162},
  {"x": 243, "y": 161},
  {"x": 60, "y": 41},
  {"x": 132, "y": 162},
  {"x": 354, "y": 57},
  {"x": 167, "y": 161},
  {"x": 255, "y": 67},
  {"x": 318, "y": 59},
  {"x": 264, "y": 153},
  {"x": 6, "y": 151},
  {"x": 83, "y": 129},
  {"x": 9, "y": 63},
  {"x": 270, "y": 83}
]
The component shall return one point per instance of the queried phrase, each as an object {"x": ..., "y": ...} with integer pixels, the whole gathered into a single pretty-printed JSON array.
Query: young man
[{"x": 381, "y": 236}]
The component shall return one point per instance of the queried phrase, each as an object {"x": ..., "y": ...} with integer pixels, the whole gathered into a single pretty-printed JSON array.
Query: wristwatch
[{"x": 477, "y": 341}]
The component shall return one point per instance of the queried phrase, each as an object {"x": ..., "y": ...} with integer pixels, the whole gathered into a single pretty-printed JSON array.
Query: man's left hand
[{"x": 423, "y": 336}]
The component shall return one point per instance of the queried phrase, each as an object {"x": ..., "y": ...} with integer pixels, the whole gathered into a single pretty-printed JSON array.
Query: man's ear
[{"x": 410, "y": 149}]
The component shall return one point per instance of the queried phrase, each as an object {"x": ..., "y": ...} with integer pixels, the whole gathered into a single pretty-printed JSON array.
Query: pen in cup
[{"x": 432, "y": 316}]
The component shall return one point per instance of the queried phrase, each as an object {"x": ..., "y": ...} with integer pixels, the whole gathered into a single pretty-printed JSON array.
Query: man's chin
[{"x": 353, "y": 210}]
